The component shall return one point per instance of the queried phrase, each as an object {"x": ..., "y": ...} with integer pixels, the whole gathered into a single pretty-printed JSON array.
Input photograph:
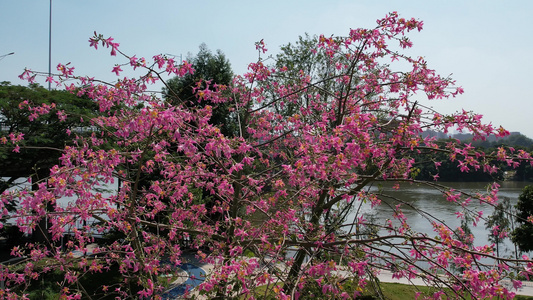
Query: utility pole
[{"x": 50, "y": 48}]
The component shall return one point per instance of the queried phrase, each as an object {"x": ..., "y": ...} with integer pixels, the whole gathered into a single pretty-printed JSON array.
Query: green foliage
[
  {"x": 523, "y": 234},
  {"x": 45, "y": 137},
  {"x": 299, "y": 56},
  {"x": 524, "y": 172},
  {"x": 515, "y": 140},
  {"x": 47, "y": 287},
  {"x": 448, "y": 170},
  {"x": 500, "y": 218},
  {"x": 212, "y": 71},
  {"x": 12, "y": 235},
  {"x": 465, "y": 235},
  {"x": 302, "y": 57}
]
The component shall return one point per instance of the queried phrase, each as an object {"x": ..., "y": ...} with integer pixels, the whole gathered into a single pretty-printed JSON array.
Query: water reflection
[{"x": 421, "y": 203}]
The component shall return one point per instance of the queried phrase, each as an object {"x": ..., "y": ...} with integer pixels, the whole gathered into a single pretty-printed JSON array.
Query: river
[{"x": 423, "y": 198}]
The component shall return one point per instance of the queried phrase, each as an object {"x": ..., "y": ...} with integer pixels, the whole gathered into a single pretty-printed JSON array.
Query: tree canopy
[
  {"x": 523, "y": 234},
  {"x": 211, "y": 72},
  {"x": 499, "y": 224},
  {"x": 44, "y": 136}
]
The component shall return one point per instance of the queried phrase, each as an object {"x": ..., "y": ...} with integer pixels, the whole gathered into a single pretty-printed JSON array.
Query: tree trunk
[{"x": 41, "y": 234}]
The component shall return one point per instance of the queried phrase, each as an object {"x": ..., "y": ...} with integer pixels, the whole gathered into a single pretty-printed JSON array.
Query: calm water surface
[{"x": 424, "y": 198}]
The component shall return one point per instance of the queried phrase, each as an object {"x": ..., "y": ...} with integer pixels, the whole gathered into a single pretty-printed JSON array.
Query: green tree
[
  {"x": 212, "y": 72},
  {"x": 498, "y": 224},
  {"x": 301, "y": 58},
  {"x": 45, "y": 137},
  {"x": 465, "y": 236},
  {"x": 523, "y": 234},
  {"x": 518, "y": 140}
]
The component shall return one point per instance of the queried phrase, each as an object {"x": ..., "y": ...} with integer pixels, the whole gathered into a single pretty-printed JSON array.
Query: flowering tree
[{"x": 289, "y": 186}]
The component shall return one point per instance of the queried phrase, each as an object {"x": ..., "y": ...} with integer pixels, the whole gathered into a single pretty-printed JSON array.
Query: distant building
[{"x": 462, "y": 136}]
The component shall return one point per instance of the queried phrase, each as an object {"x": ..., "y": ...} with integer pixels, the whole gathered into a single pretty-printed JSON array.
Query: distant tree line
[{"x": 448, "y": 171}]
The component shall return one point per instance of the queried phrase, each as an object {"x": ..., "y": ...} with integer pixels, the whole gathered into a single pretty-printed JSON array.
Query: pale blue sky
[{"x": 485, "y": 44}]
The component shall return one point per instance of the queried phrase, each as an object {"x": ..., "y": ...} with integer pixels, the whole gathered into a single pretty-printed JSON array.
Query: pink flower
[
  {"x": 61, "y": 115},
  {"x": 261, "y": 46},
  {"x": 133, "y": 62},
  {"x": 93, "y": 43},
  {"x": 117, "y": 70}
]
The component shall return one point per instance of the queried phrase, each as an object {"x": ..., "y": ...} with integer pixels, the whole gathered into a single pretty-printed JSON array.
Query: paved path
[
  {"x": 196, "y": 275},
  {"x": 199, "y": 270},
  {"x": 526, "y": 289},
  {"x": 195, "y": 272}
]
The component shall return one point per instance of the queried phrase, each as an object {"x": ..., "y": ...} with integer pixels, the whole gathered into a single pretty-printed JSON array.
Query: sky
[{"x": 484, "y": 45}]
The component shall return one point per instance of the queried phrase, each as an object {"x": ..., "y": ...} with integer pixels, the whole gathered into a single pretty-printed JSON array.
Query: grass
[
  {"x": 397, "y": 291},
  {"x": 391, "y": 291}
]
